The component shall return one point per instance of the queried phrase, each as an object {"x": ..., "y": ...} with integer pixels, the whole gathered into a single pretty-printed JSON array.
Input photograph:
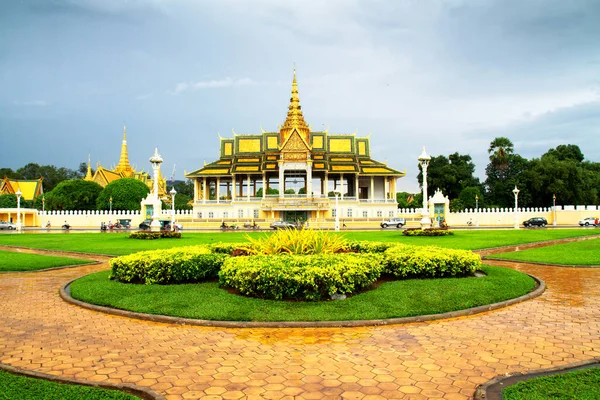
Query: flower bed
[
  {"x": 427, "y": 232},
  {"x": 146, "y": 235},
  {"x": 405, "y": 261},
  {"x": 300, "y": 276}
]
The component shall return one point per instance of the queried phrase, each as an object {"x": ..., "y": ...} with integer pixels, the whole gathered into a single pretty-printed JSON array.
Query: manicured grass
[
  {"x": 586, "y": 252},
  {"x": 390, "y": 300},
  {"x": 18, "y": 387},
  {"x": 577, "y": 385},
  {"x": 13, "y": 261},
  {"x": 119, "y": 243}
]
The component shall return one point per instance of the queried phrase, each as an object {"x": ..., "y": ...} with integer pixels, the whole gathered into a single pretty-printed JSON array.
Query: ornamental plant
[
  {"x": 287, "y": 276},
  {"x": 292, "y": 241},
  {"x": 405, "y": 261},
  {"x": 179, "y": 265}
]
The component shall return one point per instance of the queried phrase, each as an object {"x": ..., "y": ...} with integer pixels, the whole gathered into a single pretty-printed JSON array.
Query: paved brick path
[{"x": 441, "y": 359}]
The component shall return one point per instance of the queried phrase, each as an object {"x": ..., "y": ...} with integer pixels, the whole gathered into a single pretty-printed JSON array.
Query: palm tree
[{"x": 500, "y": 150}]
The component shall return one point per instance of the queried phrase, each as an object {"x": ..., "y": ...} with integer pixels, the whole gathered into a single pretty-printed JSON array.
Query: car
[
  {"x": 7, "y": 225},
  {"x": 283, "y": 225},
  {"x": 535, "y": 221},
  {"x": 397, "y": 222},
  {"x": 588, "y": 221},
  {"x": 145, "y": 224}
]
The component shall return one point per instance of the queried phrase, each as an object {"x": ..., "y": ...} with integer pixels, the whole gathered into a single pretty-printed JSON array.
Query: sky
[{"x": 450, "y": 75}]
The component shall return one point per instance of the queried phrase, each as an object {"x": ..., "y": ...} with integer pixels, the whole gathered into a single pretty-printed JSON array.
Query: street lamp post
[
  {"x": 173, "y": 192},
  {"x": 516, "y": 193},
  {"x": 18, "y": 209},
  {"x": 337, "y": 211},
  {"x": 110, "y": 204},
  {"x": 554, "y": 208},
  {"x": 424, "y": 159},
  {"x": 43, "y": 210},
  {"x": 476, "y": 211},
  {"x": 155, "y": 160}
]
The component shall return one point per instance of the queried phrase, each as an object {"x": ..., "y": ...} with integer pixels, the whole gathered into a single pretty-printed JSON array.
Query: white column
[
  {"x": 195, "y": 190},
  {"x": 326, "y": 189},
  {"x": 264, "y": 185},
  {"x": 281, "y": 181},
  {"x": 356, "y": 186},
  {"x": 233, "y": 182},
  {"x": 372, "y": 191},
  {"x": 248, "y": 188},
  {"x": 204, "y": 191},
  {"x": 309, "y": 188},
  {"x": 218, "y": 190},
  {"x": 342, "y": 186}
]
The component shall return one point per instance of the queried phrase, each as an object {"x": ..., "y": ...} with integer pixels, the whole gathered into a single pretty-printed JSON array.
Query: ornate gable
[{"x": 295, "y": 148}]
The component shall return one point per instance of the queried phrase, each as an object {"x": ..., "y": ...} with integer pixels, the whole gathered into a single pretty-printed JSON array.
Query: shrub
[
  {"x": 404, "y": 261},
  {"x": 427, "y": 232},
  {"x": 300, "y": 277},
  {"x": 183, "y": 264},
  {"x": 291, "y": 241},
  {"x": 147, "y": 235},
  {"x": 364, "y": 246},
  {"x": 229, "y": 248}
]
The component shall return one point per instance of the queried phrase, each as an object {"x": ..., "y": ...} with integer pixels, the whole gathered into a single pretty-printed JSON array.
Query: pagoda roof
[{"x": 30, "y": 188}]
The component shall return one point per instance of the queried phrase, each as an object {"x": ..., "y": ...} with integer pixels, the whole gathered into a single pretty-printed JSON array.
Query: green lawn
[
  {"x": 19, "y": 387},
  {"x": 390, "y": 300},
  {"x": 586, "y": 252},
  {"x": 13, "y": 261},
  {"x": 119, "y": 243},
  {"x": 577, "y": 385}
]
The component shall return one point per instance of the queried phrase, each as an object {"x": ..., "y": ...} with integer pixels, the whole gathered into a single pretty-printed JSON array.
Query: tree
[
  {"x": 126, "y": 194},
  {"x": 73, "y": 194},
  {"x": 184, "y": 187},
  {"x": 82, "y": 170},
  {"x": 450, "y": 174},
  {"x": 500, "y": 150},
  {"x": 8, "y": 201},
  {"x": 259, "y": 192},
  {"x": 565, "y": 152},
  {"x": 52, "y": 175},
  {"x": 468, "y": 197},
  {"x": 9, "y": 173},
  {"x": 409, "y": 200},
  {"x": 503, "y": 173}
]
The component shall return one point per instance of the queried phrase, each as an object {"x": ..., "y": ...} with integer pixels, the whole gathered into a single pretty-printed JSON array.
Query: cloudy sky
[{"x": 450, "y": 75}]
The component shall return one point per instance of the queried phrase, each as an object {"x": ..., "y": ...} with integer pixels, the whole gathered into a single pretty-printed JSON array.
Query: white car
[
  {"x": 397, "y": 222},
  {"x": 588, "y": 221},
  {"x": 7, "y": 225}
]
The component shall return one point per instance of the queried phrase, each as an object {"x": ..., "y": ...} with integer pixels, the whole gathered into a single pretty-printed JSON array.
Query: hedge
[
  {"x": 146, "y": 235},
  {"x": 427, "y": 232},
  {"x": 301, "y": 277},
  {"x": 179, "y": 265},
  {"x": 405, "y": 261},
  {"x": 364, "y": 246}
]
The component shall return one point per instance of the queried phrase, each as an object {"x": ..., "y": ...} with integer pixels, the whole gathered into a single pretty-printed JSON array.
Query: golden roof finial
[
  {"x": 295, "y": 119},
  {"x": 124, "y": 165},
  {"x": 88, "y": 175}
]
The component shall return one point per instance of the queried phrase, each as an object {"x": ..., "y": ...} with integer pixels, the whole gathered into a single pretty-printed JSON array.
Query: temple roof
[{"x": 30, "y": 188}]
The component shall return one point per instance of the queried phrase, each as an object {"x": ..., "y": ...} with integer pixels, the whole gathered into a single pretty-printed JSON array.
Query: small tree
[
  {"x": 126, "y": 194},
  {"x": 73, "y": 194},
  {"x": 8, "y": 201}
]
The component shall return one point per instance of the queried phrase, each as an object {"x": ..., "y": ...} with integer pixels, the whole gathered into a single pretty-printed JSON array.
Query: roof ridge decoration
[
  {"x": 295, "y": 119},
  {"x": 124, "y": 165},
  {"x": 88, "y": 175}
]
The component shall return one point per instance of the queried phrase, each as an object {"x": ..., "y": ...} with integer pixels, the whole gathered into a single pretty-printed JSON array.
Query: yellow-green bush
[
  {"x": 178, "y": 265},
  {"x": 292, "y": 241},
  {"x": 405, "y": 261},
  {"x": 365, "y": 246},
  {"x": 300, "y": 277}
]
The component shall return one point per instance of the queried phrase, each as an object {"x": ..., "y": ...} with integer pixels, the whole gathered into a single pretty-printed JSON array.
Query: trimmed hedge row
[
  {"x": 427, "y": 232},
  {"x": 179, "y": 265},
  {"x": 364, "y": 246},
  {"x": 146, "y": 235},
  {"x": 300, "y": 276},
  {"x": 404, "y": 261}
]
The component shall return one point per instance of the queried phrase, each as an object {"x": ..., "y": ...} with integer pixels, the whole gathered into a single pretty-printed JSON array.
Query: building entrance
[{"x": 295, "y": 216}]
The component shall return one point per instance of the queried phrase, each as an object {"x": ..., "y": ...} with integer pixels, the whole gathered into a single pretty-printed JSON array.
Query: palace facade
[{"x": 294, "y": 174}]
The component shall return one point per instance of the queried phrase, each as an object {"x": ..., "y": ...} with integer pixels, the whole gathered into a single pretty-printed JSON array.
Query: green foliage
[
  {"x": 427, "y": 232},
  {"x": 409, "y": 200},
  {"x": 229, "y": 248},
  {"x": 366, "y": 246},
  {"x": 74, "y": 194},
  {"x": 8, "y": 201},
  {"x": 290, "y": 191},
  {"x": 292, "y": 241},
  {"x": 51, "y": 174},
  {"x": 259, "y": 192},
  {"x": 14, "y": 386},
  {"x": 126, "y": 194},
  {"x": 575, "y": 385},
  {"x": 179, "y": 265},
  {"x": 185, "y": 188},
  {"x": 148, "y": 235},
  {"x": 405, "y": 261},
  {"x": 300, "y": 277},
  {"x": 450, "y": 174},
  {"x": 467, "y": 197}
]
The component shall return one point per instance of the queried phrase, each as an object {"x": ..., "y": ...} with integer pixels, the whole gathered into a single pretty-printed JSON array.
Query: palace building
[
  {"x": 294, "y": 174},
  {"x": 104, "y": 176}
]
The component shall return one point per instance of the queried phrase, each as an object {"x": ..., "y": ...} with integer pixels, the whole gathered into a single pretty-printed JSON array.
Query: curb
[
  {"x": 485, "y": 258},
  {"x": 143, "y": 393},
  {"x": 492, "y": 389},
  {"x": 65, "y": 294}
]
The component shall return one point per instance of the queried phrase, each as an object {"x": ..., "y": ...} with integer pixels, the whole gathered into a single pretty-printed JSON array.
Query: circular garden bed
[{"x": 294, "y": 276}]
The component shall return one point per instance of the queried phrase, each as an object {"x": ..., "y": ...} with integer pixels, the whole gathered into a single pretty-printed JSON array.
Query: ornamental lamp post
[
  {"x": 516, "y": 193},
  {"x": 173, "y": 192},
  {"x": 155, "y": 160},
  {"x": 424, "y": 159},
  {"x": 477, "y": 211},
  {"x": 43, "y": 209},
  {"x": 110, "y": 204},
  {"x": 554, "y": 208},
  {"x": 19, "y": 209},
  {"x": 337, "y": 211}
]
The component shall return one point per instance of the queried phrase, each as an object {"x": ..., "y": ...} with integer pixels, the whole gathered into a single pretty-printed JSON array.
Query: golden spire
[
  {"x": 295, "y": 119},
  {"x": 88, "y": 175},
  {"x": 124, "y": 166}
]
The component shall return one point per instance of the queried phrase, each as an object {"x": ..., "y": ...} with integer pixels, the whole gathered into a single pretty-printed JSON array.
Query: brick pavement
[{"x": 439, "y": 359}]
